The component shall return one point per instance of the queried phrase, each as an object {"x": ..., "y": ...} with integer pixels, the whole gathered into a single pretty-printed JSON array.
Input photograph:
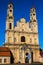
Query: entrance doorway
[{"x": 27, "y": 58}]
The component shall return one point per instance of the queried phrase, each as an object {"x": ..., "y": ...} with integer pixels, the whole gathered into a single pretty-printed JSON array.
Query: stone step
[
  {"x": 28, "y": 64},
  {"x": 23, "y": 64}
]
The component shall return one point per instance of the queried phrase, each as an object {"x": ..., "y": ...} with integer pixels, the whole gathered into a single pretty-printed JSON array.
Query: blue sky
[{"x": 21, "y": 9}]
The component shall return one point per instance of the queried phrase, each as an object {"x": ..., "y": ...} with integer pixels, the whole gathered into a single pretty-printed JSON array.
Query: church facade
[{"x": 22, "y": 40}]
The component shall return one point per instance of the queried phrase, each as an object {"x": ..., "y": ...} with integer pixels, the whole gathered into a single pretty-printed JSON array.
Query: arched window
[
  {"x": 10, "y": 25},
  {"x": 22, "y": 39}
]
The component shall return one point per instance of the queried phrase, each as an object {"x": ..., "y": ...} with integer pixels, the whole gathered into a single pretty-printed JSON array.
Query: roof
[
  {"x": 4, "y": 51},
  {"x": 5, "y": 54}
]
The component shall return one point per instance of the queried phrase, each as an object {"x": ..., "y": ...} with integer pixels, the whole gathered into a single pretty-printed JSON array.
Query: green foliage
[{"x": 42, "y": 63}]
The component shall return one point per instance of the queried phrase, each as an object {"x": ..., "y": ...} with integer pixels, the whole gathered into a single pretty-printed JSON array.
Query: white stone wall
[{"x": 7, "y": 60}]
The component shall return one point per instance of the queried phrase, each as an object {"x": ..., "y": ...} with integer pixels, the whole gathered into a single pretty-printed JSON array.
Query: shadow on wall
[{"x": 12, "y": 58}]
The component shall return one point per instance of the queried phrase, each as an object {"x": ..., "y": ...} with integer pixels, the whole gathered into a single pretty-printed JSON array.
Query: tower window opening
[
  {"x": 10, "y": 25},
  {"x": 33, "y": 9},
  {"x": 34, "y": 20},
  {"x": 22, "y": 39},
  {"x": 10, "y": 6},
  {"x": 10, "y": 10},
  {"x": 10, "y": 17},
  {"x": 34, "y": 14}
]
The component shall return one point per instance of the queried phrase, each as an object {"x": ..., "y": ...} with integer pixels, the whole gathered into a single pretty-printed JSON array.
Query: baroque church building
[{"x": 22, "y": 40}]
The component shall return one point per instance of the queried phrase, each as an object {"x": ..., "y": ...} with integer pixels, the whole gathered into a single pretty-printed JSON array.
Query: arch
[
  {"x": 28, "y": 52},
  {"x": 22, "y": 39}
]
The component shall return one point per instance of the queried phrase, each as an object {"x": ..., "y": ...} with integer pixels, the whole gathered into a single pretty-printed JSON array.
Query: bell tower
[
  {"x": 10, "y": 18},
  {"x": 32, "y": 14},
  {"x": 9, "y": 24},
  {"x": 33, "y": 19}
]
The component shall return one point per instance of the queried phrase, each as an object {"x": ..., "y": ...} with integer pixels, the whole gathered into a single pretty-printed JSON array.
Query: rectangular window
[{"x": 4, "y": 60}]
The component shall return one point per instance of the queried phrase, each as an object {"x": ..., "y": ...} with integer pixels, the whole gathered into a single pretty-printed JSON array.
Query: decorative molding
[
  {"x": 21, "y": 32},
  {"x": 20, "y": 44}
]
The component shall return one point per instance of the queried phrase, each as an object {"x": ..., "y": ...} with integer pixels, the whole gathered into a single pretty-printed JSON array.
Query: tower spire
[{"x": 33, "y": 13}]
